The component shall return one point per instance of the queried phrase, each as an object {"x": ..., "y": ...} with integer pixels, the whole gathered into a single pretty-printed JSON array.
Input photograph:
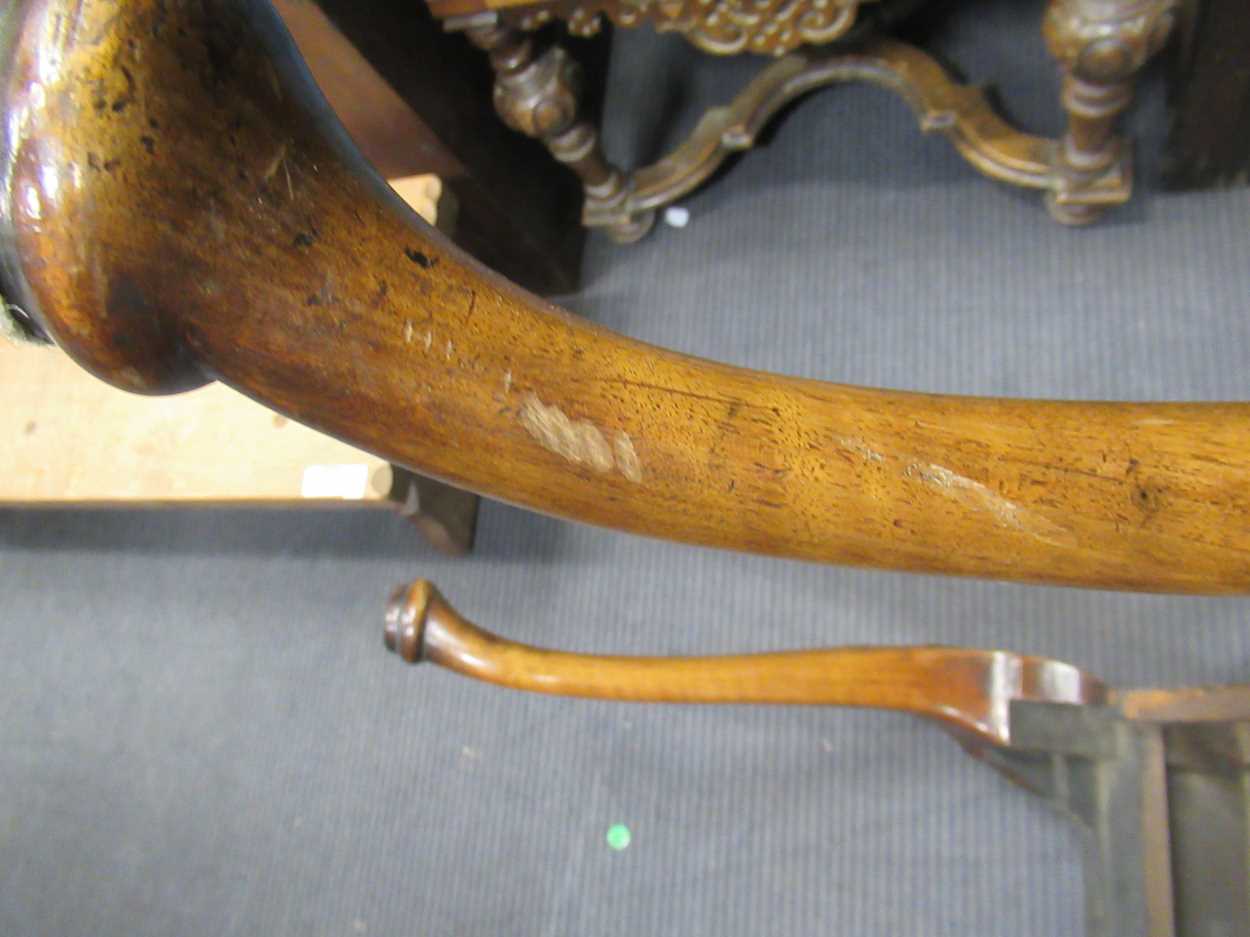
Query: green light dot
[{"x": 618, "y": 836}]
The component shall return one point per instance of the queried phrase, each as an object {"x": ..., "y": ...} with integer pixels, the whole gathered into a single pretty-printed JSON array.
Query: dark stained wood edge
[{"x": 1208, "y": 143}]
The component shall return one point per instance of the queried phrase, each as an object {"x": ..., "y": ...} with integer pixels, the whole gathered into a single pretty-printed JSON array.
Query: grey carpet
[{"x": 200, "y": 732}]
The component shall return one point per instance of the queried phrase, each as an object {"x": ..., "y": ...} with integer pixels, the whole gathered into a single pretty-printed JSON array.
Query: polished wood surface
[
  {"x": 178, "y": 206},
  {"x": 967, "y": 690}
]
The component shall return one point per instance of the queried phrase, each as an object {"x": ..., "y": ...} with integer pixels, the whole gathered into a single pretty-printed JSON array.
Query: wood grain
[{"x": 182, "y": 208}]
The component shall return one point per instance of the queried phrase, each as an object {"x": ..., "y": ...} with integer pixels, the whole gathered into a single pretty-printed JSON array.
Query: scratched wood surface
[{"x": 184, "y": 211}]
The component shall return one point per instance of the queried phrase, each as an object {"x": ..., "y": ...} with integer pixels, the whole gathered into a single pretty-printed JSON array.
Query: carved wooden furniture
[
  {"x": 177, "y": 205},
  {"x": 1157, "y": 780},
  {"x": 1100, "y": 46}
]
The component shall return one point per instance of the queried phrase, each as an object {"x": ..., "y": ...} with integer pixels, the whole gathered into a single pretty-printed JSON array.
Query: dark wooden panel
[
  {"x": 1209, "y": 141},
  {"x": 423, "y": 104}
]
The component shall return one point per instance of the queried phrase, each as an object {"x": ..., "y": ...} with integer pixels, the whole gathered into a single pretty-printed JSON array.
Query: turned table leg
[
  {"x": 1101, "y": 46},
  {"x": 540, "y": 97}
]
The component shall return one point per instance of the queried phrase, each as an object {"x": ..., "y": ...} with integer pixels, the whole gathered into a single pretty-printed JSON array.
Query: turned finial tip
[{"x": 406, "y": 613}]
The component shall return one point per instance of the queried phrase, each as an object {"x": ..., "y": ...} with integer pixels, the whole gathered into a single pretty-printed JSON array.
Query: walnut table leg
[
  {"x": 540, "y": 96},
  {"x": 1101, "y": 45},
  {"x": 445, "y": 515}
]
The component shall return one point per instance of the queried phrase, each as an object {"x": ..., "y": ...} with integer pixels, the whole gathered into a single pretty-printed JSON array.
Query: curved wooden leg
[
  {"x": 540, "y": 97},
  {"x": 1101, "y": 46}
]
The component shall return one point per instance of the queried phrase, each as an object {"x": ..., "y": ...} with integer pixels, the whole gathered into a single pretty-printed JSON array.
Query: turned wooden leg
[
  {"x": 1101, "y": 45},
  {"x": 540, "y": 97}
]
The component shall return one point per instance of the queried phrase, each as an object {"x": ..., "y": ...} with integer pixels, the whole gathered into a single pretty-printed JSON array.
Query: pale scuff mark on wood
[
  {"x": 507, "y": 382},
  {"x": 278, "y": 159},
  {"x": 626, "y": 458},
  {"x": 860, "y": 448},
  {"x": 977, "y": 496},
  {"x": 408, "y": 331},
  {"x": 429, "y": 339},
  {"x": 450, "y": 348},
  {"x": 579, "y": 441}
]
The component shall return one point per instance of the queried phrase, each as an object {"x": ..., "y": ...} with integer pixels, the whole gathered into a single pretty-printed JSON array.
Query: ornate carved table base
[
  {"x": 539, "y": 96},
  {"x": 1100, "y": 45}
]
